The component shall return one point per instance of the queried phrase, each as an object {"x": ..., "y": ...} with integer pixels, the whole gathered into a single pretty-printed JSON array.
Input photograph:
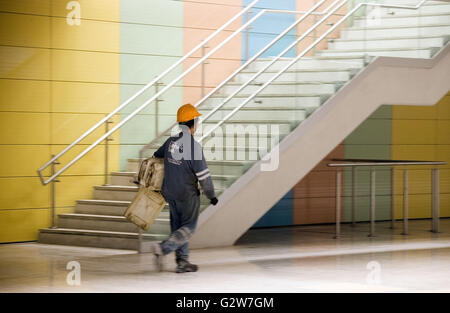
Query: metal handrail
[
  {"x": 158, "y": 78},
  {"x": 387, "y": 163},
  {"x": 275, "y": 40},
  {"x": 306, "y": 50},
  {"x": 354, "y": 163}
]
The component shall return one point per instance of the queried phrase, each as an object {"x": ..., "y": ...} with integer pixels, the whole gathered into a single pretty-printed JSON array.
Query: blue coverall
[{"x": 184, "y": 168}]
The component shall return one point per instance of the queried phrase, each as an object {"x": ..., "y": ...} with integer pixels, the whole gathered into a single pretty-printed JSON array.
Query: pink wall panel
[{"x": 200, "y": 20}]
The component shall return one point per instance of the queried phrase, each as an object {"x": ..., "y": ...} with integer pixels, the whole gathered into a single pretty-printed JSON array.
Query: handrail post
[
  {"x": 392, "y": 198},
  {"x": 53, "y": 192},
  {"x": 338, "y": 203},
  {"x": 405, "y": 202},
  {"x": 157, "y": 101},
  {"x": 372, "y": 202},
  {"x": 107, "y": 140},
  {"x": 204, "y": 47},
  {"x": 247, "y": 34},
  {"x": 435, "y": 199},
  {"x": 353, "y": 195}
]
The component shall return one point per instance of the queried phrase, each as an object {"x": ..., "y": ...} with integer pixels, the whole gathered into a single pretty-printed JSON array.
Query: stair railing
[
  {"x": 298, "y": 57},
  {"x": 106, "y": 119},
  {"x": 249, "y": 61}
]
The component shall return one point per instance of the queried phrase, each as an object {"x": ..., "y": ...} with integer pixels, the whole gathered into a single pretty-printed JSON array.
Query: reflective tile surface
[{"x": 291, "y": 259}]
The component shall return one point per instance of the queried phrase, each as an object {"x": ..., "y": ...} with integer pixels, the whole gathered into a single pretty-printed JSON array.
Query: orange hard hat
[{"x": 186, "y": 113}]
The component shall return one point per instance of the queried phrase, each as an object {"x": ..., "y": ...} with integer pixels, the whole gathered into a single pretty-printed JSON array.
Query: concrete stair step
[
  {"x": 94, "y": 238},
  {"x": 101, "y": 207},
  {"x": 121, "y": 193},
  {"x": 396, "y": 43},
  {"x": 380, "y": 33},
  {"x": 311, "y": 88},
  {"x": 108, "y": 207},
  {"x": 307, "y": 64},
  {"x": 260, "y": 114},
  {"x": 109, "y": 223},
  {"x": 260, "y": 102},
  {"x": 298, "y": 76},
  {"x": 400, "y": 21},
  {"x": 432, "y": 9},
  {"x": 262, "y": 126},
  {"x": 404, "y": 53}
]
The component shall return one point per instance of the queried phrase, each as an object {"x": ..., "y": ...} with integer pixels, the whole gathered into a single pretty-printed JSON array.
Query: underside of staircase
[{"x": 316, "y": 104}]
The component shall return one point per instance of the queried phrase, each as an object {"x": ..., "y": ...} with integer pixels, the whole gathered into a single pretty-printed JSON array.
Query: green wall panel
[
  {"x": 151, "y": 39},
  {"x": 371, "y": 140}
]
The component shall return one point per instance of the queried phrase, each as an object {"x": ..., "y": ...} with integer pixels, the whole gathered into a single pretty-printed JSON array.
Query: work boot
[
  {"x": 184, "y": 266},
  {"x": 159, "y": 256}
]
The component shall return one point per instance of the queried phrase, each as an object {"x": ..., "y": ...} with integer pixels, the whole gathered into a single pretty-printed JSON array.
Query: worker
[{"x": 184, "y": 168}]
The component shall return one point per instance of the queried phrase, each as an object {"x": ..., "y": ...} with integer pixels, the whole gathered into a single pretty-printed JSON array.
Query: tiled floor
[{"x": 295, "y": 259}]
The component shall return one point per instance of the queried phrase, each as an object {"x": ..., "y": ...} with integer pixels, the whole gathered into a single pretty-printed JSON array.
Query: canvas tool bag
[
  {"x": 145, "y": 208},
  {"x": 151, "y": 173},
  {"x": 148, "y": 203}
]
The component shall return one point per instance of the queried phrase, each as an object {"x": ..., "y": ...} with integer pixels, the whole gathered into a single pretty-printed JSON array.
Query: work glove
[{"x": 214, "y": 201}]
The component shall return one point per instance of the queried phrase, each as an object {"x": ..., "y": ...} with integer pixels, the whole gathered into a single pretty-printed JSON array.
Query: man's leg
[{"x": 184, "y": 215}]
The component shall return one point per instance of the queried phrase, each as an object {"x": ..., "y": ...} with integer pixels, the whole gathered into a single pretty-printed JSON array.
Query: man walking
[{"x": 184, "y": 167}]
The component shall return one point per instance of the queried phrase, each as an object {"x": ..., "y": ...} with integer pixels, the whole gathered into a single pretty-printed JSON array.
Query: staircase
[{"x": 311, "y": 83}]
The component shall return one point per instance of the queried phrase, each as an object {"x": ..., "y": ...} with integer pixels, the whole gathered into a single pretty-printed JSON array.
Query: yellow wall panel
[
  {"x": 443, "y": 137},
  {"x": 89, "y": 35},
  {"x": 41, "y": 7},
  {"x": 22, "y": 160},
  {"x": 24, "y": 128},
  {"x": 22, "y": 225},
  {"x": 85, "y": 66},
  {"x": 72, "y": 188},
  {"x": 445, "y": 205},
  {"x": 24, "y": 63},
  {"x": 85, "y": 97},
  {"x": 443, "y": 108},
  {"x": 108, "y": 10},
  {"x": 67, "y": 127},
  {"x": 414, "y": 152},
  {"x": 23, "y": 192},
  {"x": 414, "y": 112},
  {"x": 443, "y": 154},
  {"x": 29, "y": 30},
  {"x": 24, "y": 95},
  {"x": 419, "y": 206},
  {"x": 93, "y": 163},
  {"x": 419, "y": 181},
  {"x": 414, "y": 132}
]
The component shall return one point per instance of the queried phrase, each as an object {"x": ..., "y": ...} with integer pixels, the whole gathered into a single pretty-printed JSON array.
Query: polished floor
[{"x": 294, "y": 259}]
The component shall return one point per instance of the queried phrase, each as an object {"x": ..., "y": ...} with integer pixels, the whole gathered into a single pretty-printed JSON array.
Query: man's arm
[
  {"x": 204, "y": 177},
  {"x": 161, "y": 151}
]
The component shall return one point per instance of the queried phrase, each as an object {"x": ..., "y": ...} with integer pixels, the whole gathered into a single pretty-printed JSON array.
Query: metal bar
[
  {"x": 303, "y": 53},
  {"x": 159, "y": 77},
  {"x": 131, "y": 115},
  {"x": 267, "y": 66},
  {"x": 53, "y": 193},
  {"x": 203, "y": 78},
  {"x": 354, "y": 195},
  {"x": 107, "y": 152},
  {"x": 201, "y": 101},
  {"x": 372, "y": 202},
  {"x": 435, "y": 199},
  {"x": 139, "y": 240},
  {"x": 392, "y": 198},
  {"x": 405, "y": 202},
  {"x": 385, "y": 164},
  {"x": 338, "y": 203}
]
